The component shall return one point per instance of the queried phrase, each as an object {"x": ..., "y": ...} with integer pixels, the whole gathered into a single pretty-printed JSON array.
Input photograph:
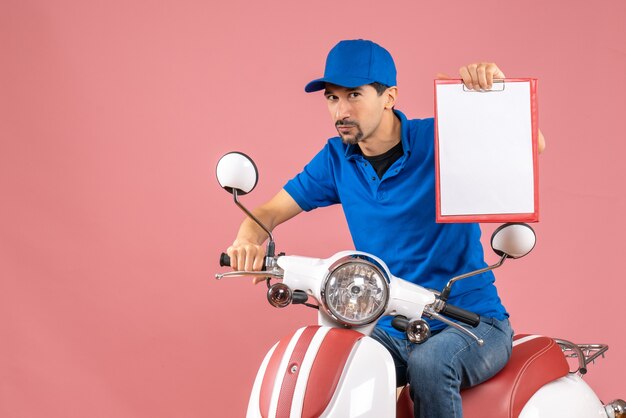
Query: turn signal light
[{"x": 279, "y": 295}]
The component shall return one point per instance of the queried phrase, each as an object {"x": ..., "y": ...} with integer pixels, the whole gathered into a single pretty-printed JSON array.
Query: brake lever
[
  {"x": 430, "y": 313},
  {"x": 273, "y": 274}
]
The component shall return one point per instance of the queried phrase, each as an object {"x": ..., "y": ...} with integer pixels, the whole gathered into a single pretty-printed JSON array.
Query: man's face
[{"x": 356, "y": 112}]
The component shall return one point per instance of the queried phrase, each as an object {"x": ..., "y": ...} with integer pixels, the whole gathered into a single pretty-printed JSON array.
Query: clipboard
[{"x": 486, "y": 152}]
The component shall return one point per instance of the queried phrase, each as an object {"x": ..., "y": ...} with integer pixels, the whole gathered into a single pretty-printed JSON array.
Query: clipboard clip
[{"x": 492, "y": 90}]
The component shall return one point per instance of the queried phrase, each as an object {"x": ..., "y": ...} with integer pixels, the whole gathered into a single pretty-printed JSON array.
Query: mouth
[{"x": 344, "y": 128}]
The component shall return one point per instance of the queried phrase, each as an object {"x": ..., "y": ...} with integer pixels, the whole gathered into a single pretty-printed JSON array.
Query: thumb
[
  {"x": 258, "y": 280},
  {"x": 442, "y": 76}
]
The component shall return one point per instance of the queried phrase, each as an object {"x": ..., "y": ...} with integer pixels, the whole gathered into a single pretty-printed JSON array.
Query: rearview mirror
[
  {"x": 513, "y": 239},
  {"x": 238, "y": 175},
  {"x": 236, "y": 170}
]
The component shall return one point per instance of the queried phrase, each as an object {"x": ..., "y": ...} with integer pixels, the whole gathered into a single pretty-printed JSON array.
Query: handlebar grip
[
  {"x": 224, "y": 260},
  {"x": 467, "y": 317},
  {"x": 400, "y": 323}
]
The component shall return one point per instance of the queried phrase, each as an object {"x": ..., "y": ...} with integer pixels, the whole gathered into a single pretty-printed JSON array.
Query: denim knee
[{"x": 428, "y": 373}]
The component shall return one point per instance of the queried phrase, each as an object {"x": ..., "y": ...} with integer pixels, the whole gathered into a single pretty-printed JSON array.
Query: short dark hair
[{"x": 380, "y": 88}]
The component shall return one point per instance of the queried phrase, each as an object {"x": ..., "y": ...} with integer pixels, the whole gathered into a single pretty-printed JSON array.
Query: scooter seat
[{"x": 535, "y": 361}]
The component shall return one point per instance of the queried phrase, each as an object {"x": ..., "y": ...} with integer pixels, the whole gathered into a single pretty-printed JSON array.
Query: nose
[{"x": 342, "y": 110}]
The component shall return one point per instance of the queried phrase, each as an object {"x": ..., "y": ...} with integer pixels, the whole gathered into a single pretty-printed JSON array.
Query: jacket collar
[{"x": 353, "y": 151}]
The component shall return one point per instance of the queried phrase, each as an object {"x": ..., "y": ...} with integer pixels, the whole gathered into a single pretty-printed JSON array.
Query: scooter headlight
[{"x": 355, "y": 291}]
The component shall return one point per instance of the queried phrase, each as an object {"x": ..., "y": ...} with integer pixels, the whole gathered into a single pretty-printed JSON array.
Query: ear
[{"x": 391, "y": 95}]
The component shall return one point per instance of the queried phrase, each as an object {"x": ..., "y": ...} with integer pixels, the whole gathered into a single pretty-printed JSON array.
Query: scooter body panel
[
  {"x": 254, "y": 410},
  {"x": 568, "y": 396},
  {"x": 368, "y": 384},
  {"x": 364, "y": 384}
]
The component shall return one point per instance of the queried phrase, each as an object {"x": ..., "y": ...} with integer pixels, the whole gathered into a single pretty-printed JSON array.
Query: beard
[{"x": 351, "y": 139}]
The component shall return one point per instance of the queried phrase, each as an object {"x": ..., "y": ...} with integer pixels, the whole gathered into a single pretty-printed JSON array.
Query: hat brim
[{"x": 348, "y": 82}]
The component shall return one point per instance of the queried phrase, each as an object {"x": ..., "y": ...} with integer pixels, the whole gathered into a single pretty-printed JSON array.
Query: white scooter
[{"x": 335, "y": 369}]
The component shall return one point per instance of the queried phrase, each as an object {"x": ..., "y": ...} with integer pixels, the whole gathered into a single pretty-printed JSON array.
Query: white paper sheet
[{"x": 485, "y": 150}]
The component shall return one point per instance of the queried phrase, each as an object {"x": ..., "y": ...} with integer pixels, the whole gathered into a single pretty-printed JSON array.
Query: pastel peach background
[{"x": 114, "y": 113}]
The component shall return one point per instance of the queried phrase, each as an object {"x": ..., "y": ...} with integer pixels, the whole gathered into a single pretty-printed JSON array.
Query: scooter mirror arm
[
  {"x": 270, "y": 245},
  {"x": 445, "y": 293},
  {"x": 430, "y": 313}
]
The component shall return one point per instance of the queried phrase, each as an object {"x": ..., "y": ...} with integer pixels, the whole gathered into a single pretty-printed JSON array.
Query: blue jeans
[{"x": 447, "y": 362}]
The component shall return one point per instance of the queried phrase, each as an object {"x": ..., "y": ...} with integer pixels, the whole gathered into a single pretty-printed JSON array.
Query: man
[{"x": 381, "y": 169}]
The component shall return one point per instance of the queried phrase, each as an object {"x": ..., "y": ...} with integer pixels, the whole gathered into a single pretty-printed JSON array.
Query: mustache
[{"x": 346, "y": 123}]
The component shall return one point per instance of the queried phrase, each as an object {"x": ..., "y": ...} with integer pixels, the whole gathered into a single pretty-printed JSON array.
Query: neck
[{"x": 384, "y": 138}]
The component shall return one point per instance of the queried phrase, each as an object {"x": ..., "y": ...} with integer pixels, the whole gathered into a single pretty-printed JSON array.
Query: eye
[
  {"x": 354, "y": 94},
  {"x": 331, "y": 97}
]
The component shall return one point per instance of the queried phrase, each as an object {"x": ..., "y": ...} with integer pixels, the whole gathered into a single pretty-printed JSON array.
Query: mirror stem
[
  {"x": 446, "y": 292},
  {"x": 270, "y": 244}
]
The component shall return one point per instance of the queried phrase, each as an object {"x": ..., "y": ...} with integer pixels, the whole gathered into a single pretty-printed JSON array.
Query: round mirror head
[
  {"x": 513, "y": 239},
  {"x": 236, "y": 170}
]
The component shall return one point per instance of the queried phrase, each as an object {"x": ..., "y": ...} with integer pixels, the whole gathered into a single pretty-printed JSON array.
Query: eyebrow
[{"x": 359, "y": 89}]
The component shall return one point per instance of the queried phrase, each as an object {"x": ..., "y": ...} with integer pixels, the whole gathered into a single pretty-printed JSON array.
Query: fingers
[
  {"x": 233, "y": 257},
  {"x": 257, "y": 263},
  {"x": 480, "y": 76},
  {"x": 473, "y": 72},
  {"x": 467, "y": 77},
  {"x": 247, "y": 257}
]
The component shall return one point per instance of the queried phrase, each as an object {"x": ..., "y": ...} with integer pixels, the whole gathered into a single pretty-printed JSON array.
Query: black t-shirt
[{"x": 382, "y": 162}]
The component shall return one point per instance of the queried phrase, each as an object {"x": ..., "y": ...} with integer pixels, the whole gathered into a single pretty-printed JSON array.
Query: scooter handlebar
[
  {"x": 460, "y": 314},
  {"x": 454, "y": 312},
  {"x": 224, "y": 260}
]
